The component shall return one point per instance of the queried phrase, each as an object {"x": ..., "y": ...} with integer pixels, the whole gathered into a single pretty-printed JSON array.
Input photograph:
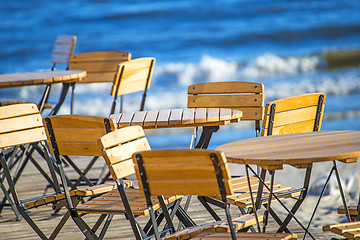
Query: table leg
[
  {"x": 272, "y": 174},
  {"x": 64, "y": 90},
  {"x": 205, "y": 137}
]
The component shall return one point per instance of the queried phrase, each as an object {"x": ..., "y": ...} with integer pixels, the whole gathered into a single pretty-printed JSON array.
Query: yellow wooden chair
[
  {"x": 21, "y": 125},
  {"x": 187, "y": 172},
  {"x": 117, "y": 148},
  {"x": 349, "y": 230},
  {"x": 99, "y": 66}
]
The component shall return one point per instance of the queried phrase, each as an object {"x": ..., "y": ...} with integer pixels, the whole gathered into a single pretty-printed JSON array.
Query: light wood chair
[
  {"x": 63, "y": 49},
  {"x": 187, "y": 172},
  {"x": 99, "y": 66},
  {"x": 132, "y": 76},
  {"x": 117, "y": 148},
  {"x": 21, "y": 126}
]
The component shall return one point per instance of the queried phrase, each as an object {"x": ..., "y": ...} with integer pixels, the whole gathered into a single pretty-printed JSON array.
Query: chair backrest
[
  {"x": 63, "y": 49},
  {"x": 183, "y": 172},
  {"x": 245, "y": 96},
  {"x": 133, "y": 76},
  {"x": 117, "y": 148},
  {"x": 100, "y": 66},
  {"x": 301, "y": 113},
  {"x": 76, "y": 134},
  {"x": 20, "y": 124}
]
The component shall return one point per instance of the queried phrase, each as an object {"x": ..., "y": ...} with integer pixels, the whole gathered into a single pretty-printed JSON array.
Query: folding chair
[
  {"x": 71, "y": 136},
  {"x": 22, "y": 124},
  {"x": 117, "y": 148},
  {"x": 186, "y": 172},
  {"x": 354, "y": 211},
  {"x": 132, "y": 76},
  {"x": 99, "y": 66},
  {"x": 63, "y": 49}
]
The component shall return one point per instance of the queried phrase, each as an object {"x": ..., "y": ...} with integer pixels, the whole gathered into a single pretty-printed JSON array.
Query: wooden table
[
  {"x": 208, "y": 118},
  {"x": 300, "y": 150},
  {"x": 43, "y": 78}
]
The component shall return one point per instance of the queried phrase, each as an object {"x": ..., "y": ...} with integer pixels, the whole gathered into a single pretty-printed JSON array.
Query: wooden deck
[{"x": 32, "y": 184}]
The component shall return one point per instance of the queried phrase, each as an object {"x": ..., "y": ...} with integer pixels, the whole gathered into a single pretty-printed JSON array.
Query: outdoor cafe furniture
[
  {"x": 21, "y": 124},
  {"x": 300, "y": 150},
  {"x": 77, "y": 135},
  {"x": 43, "y": 78},
  {"x": 63, "y": 49},
  {"x": 101, "y": 67},
  {"x": 186, "y": 172}
]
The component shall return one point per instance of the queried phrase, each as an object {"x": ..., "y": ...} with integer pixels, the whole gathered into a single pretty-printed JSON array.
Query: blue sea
[{"x": 292, "y": 47}]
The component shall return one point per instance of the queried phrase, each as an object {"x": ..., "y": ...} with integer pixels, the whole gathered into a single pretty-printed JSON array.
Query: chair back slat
[
  {"x": 118, "y": 146},
  {"x": 133, "y": 76},
  {"x": 245, "y": 96},
  {"x": 100, "y": 66},
  {"x": 63, "y": 49},
  {"x": 20, "y": 124},
  {"x": 294, "y": 114},
  {"x": 75, "y": 135},
  {"x": 182, "y": 172}
]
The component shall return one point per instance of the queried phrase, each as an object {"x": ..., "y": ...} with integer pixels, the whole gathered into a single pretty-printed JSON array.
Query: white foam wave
[
  {"x": 272, "y": 65},
  {"x": 211, "y": 69}
]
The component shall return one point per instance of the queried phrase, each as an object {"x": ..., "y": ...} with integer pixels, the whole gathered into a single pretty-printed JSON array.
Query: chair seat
[
  {"x": 349, "y": 230},
  {"x": 242, "y": 197},
  {"x": 247, "y": 236},
  {"x": 352, "y": 210},
  {"x": 221, "y": 226},
  {"x": 81, "y": 192},
  {"x": 111, "y": 203}
]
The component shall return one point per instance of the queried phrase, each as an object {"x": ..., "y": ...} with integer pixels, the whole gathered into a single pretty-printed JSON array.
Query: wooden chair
[
  {"x": 99, "y": 66},
  {"x": 132, "y": 76},
  {"x": 21, "y": 124},
  {"x": 63, "y": 49},
  {"x": 71, "y": 136},
  {"x": 117, "y": 148},
  {"x": 186, "y": 172}
]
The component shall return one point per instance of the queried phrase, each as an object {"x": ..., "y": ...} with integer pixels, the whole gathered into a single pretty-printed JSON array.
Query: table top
[
  {"x": 300, "y": 150},
  {"x": 39, "y": 78},
  {"x": 171, "y": 118}
]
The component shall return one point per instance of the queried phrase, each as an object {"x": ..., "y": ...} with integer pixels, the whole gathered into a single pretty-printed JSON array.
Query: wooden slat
[
  {"x": 126, "y": 119},
  {"x": 151, "y": 118},
  {"x": 225, "y": 101},
  {"x": 122, "y": 169},
  {"x": 246, "y": 236},
  {"x": 22, "y": 137},
  {"x": 114, "y": 138},
  {"x": 200, "y": 115},
  {"x": 100, "y": 56},
  {"x": 121, "y": 152},
  {"x": 299, "y": 101},
  {"x": 213, "y": 114},
  {"x": 226, "y": 87},
  {"x": 163, "y": 118},
  {"x": 300, "y": 127},
  {"x": 188, "y": 116},
  {"x": 18, "y": 110},
  {"x": 139, "y": 118},
  {"x": 352, "y": 210},
  {"x": 292, "y": 116},
  {"x": 20, "y": 123},
  {"x": 80, "y": 149},
  {"x": 176, "y": 117}
]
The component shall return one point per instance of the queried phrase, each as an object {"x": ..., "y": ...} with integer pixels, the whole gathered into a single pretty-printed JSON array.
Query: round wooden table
[{"x": 300, "y": 150}]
